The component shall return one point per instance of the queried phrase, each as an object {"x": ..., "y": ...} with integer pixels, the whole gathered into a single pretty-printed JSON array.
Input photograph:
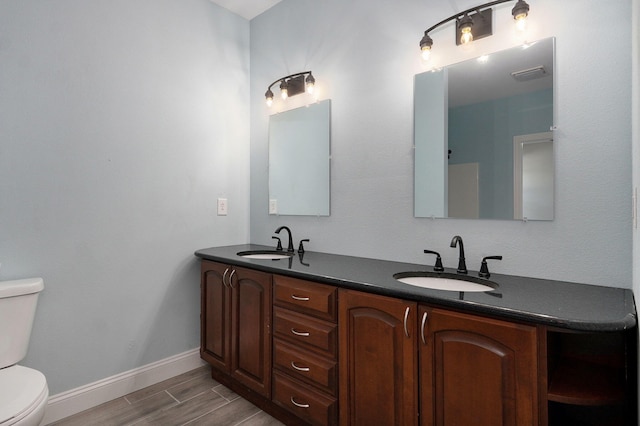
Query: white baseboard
[{"x": 88, "y": 396}]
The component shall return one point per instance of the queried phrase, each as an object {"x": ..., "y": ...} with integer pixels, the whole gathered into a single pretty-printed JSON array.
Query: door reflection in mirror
[{"x": 533, "y": 185}]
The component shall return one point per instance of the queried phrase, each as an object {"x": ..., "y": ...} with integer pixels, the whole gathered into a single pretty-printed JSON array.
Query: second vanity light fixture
[
  {"x": 292, "y": 85},
  {"x": 475, "y": 23}
]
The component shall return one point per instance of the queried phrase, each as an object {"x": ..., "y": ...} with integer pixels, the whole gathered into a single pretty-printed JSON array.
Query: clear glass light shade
[
  {"x": 310, "y": 88},
  {"x": 269, "y": 101},
  {"x": 521, "y": 22},
  {"x": 284, "y": 93}
]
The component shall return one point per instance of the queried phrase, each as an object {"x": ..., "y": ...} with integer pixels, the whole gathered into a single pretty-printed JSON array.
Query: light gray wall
[
  {"x": 366, "y": 54},
  {"x": 121, "y": 122}
]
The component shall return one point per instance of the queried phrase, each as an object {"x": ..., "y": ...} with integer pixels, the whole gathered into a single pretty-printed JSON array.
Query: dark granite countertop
[{"x": 561, "y": 304}]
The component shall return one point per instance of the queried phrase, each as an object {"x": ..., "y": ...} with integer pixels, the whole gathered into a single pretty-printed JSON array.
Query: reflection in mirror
[
  {"x": 468, "y": 117},
  {"x": 299, "y": 161},
  {"x": 533, "y": 176}
]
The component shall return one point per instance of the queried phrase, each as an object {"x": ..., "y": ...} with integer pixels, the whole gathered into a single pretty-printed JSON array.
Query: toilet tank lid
[{"x": 20, "y": 287}]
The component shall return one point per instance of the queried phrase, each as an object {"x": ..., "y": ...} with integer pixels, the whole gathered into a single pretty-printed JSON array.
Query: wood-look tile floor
[{"x": 192, "y": 398}]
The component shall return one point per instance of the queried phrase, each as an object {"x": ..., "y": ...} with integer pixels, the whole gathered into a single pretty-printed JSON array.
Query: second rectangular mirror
[{"x": 475, "y": 127}]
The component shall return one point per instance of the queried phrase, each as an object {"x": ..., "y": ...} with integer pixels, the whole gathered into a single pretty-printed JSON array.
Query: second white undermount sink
[
  {"x": 445, "y": 282},
  {"x": 265, "y": 254}
]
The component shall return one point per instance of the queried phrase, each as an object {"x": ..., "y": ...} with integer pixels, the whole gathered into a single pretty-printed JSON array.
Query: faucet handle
[
  {"x": 438, "y": 266},
  {"x": 301, "y": 245},
  {"x": 484, "y": 268},
  {"x": 279, "y": 247}
]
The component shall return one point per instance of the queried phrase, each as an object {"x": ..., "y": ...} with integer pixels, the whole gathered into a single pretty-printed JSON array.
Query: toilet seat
[{"x": 22, "y": 392}]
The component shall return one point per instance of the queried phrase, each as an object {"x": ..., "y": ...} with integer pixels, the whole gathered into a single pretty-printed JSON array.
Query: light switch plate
[
  {"x": 273, "y": 206},
  {"x": 222, "y": 207}
]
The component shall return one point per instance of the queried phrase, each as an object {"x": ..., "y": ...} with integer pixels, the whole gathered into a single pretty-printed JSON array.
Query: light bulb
[
  {"x": 269, "y": 97},
  {"x": 425, "y": 46},
  {"x": 426, "y": 53},
  {"x": 284, "y": 92},
  {"x": 465, "y": 25},
  {"x": 310, "y": 83},
  {"x": 466, "y": 36},
  {"x": 520, "y": 12},
  {"x": 521, "y": 22}
]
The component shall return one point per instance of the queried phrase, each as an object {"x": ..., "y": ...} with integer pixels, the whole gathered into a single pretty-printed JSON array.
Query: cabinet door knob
[
  {"x": 300, "y": 298},
  {"x": 297, "y": 404},
  {"x": 300, "y": 333},
  {"x": 424, "y": 322},
  {"x": 295, "y": 367},
  {"x": 406, "y": 317}
]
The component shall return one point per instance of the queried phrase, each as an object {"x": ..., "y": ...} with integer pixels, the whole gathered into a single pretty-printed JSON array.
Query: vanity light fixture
[
  {"x": 475, "y": 23},
  {"x": 292, "y": 85}
]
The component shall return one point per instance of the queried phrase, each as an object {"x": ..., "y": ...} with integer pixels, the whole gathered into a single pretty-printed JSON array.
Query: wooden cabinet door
[
  {"x": 250, "y": 329},
  {"x": 476, "y": 371},
  {"x": 215, "y": 315},
  {"x": 235, "y": 323},
  {"x": 378, "y": 360}
]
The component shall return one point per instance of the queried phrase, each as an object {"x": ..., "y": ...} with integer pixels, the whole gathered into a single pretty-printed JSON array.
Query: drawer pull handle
[
  {"x": 424, "y": 322},
  {"x": 224, "y": 277},
  {"x": 295, "y": 367},
  {"x": 300, "y": 333},
  {"x": 231, "y": 278},
  {"x": 406, "y": 317},
  {"x": 297, "y": 404},
  {"x": 300, "y": 298}
]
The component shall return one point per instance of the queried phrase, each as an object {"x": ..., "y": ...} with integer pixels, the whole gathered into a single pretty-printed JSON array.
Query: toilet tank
[{"x": 18, "y": 300}]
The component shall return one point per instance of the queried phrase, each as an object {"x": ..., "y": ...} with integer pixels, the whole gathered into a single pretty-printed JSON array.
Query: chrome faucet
[
  {"x": 290, "y": 245},
  {"x": 462, "y": 266}
]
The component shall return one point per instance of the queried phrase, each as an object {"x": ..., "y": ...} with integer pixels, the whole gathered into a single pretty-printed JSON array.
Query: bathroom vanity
[{"x": 328, "y": 339}]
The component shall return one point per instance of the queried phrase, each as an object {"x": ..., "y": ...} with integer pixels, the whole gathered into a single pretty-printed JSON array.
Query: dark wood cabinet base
[{"x": 256, "y": 399}]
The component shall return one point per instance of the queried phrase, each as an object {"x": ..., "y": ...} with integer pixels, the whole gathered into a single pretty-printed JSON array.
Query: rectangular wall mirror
[
  {"x": 299, "y": 161},
  {"x": 483, "y": 140}
]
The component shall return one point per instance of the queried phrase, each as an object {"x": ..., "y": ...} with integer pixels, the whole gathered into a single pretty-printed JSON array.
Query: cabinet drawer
[
  {"x": 304, "y": 330},
  {"x": 306, "y": 297},
  {"x": 311, "y": 406},
  {"x": 305, "y": 366}
]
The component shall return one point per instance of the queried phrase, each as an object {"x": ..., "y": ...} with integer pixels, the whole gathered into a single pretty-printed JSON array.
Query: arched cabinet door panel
[
  {"x": 235, "y": 322},
  {"x": 476, "y": 370},
  {"x": 378, "y": 360}
]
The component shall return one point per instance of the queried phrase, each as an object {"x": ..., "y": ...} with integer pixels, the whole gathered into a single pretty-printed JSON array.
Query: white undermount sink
[
  {"x": 265, "y": 254},
  {"x": 443, "y": 282}
]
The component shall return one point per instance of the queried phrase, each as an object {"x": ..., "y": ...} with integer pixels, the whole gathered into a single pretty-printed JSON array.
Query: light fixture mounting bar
[
  {"x": 461, "y": 14},
  {"x": 292, "y": 85},
  {"x": 287, "y": 78}
]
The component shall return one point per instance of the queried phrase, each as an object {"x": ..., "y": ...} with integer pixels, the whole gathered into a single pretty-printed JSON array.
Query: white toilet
[{"x": 23, "y": 391}]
